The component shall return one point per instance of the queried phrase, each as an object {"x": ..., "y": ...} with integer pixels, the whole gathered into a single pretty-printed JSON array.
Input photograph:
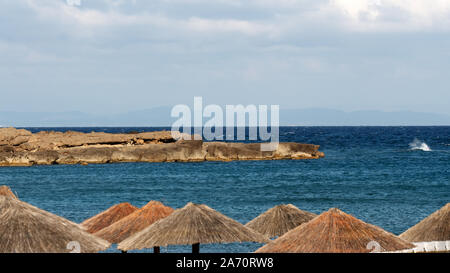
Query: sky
[{"x": 113, "y": 56}]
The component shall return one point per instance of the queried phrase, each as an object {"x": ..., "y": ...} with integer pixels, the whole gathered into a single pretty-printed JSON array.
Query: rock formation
[{"x": 19, "y": 147}]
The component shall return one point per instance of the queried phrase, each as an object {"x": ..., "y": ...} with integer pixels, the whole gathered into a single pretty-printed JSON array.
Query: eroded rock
[{"x": 20, "y": 147}]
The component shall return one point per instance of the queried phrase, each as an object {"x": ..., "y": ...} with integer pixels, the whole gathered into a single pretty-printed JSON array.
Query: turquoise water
[{"x": 370, "y": 172}]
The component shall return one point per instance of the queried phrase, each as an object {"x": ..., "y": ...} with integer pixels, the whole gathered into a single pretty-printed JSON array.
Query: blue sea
[{"x": 391, "y": 177}]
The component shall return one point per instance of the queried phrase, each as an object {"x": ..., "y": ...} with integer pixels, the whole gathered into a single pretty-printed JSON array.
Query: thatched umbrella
[
  {"x": 435, "y": 227},
  {"x": 6, "y": 191},
  {"x": 335, "y": 231},
  {"x": 28, "y": 229},
  {"x": 192, "y": 225},
  {"x": 134, "y": 222},
  {"x": 279, "y": 220},
  {"x": 108, "y": 217}
]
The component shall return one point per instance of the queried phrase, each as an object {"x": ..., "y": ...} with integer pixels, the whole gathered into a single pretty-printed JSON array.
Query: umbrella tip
[
  {"x": 335, "y": 210},
  {"x": 6, "y": 191},
  {"x": 153, "y": 203}
]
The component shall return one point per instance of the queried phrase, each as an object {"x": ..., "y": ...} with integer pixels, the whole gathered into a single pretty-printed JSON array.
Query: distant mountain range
[{"x": 160, "y": 116}]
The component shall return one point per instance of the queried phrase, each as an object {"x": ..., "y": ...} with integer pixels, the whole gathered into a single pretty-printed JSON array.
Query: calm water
[{"x": 370, "y": 172}]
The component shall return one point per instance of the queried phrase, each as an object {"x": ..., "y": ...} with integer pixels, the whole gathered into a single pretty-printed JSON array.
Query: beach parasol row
[{"x": 25, "y": 228}]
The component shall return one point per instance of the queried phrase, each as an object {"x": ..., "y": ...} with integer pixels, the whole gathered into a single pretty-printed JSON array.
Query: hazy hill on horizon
[{"x": 160, "y": 116}]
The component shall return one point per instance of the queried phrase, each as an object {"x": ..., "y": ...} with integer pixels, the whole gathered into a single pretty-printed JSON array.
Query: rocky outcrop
[{"x": 19, "y": 147}]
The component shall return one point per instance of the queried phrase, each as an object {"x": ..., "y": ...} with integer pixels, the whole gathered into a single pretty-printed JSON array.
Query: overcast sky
[{"x": 102, "y": 56}]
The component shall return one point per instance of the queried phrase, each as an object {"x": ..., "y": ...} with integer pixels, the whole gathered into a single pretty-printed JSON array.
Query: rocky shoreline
[{"x": 19, "y": 147}]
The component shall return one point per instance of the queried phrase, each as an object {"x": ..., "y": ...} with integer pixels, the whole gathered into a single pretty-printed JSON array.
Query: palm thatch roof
[
  {"x": 279, "y": 220},
  {"x": 108, "y": 217},
  {"x": 334, "y": 231},
  {"x": 28, "y": 229},
  {"x": 134, "y": 222},
  {"x": 435, "y": 227},
  {"x": 192, "y": 224},
  {"x": 6, "y": 191}
]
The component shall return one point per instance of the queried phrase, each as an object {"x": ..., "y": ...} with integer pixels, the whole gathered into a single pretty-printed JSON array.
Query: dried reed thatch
[
  {"x": 108, "y": 217},
  {"x": 194, "y": 224},
  {"x": 279, "y": 220},
  {"x": 435, "y": 227},
  {"x": 28, "y": 229},
  {"x": 334, "y": 231},
  {"x": 134, "y": 222},
  {"x": 6, "y": 191}
]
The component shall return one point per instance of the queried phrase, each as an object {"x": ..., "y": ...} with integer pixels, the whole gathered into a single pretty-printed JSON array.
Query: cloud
[
  {"x": 230, "y": 25},
  {"x": 350, "y": 52},
  {"x": 71, "y": 14},
  {"x": 87, "y": 20},
  {"x": 24, "y": 54},
  {"x": 263, "y": 18},
  {"x": 73, "y": 2},
  {"x": 393, "y": 15}
]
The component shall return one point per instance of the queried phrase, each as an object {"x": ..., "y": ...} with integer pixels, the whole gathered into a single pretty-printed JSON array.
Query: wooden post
[
  {"x": 156, "y": 249},
  {"x": 196, "y": 248}
]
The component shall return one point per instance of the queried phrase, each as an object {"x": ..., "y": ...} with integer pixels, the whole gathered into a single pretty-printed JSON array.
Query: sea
[{"x": 391, "y": 177}]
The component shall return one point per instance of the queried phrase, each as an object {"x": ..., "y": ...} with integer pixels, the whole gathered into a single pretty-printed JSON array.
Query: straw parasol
[
  {"x": 192, "y": 225},
  {"x": 134, "y": 222},
  {"x": 335, "y": 231},
  {"x": 279, "y": 220},
  {"x": 435, "y": 227},
  {"x": 28, "y": 229},
  {"x": 108, "y": 217},
  {"x": 6, "y": 191}
]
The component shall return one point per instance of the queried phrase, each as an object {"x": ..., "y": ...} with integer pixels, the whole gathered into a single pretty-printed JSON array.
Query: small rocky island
[{"x": 19, "y": 147}]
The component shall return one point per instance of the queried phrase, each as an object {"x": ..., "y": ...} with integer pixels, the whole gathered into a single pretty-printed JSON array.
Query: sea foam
[{"x": 417, "y": 144}]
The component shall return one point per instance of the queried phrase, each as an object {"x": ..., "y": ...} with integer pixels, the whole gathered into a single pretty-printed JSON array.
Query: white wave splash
[{"x": 419, "y": 145}]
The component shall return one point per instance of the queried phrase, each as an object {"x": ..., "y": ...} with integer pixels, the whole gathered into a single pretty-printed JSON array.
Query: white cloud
[
  {"x": 24, "y": 54},
  {"x": 229, "y": 25},
  {"x": 393, "y": 15},
  {"x": 287, "y": 18},
  {"x": 181, "y": 47},
  {"x": 70, "y": 14},
  {"x": 89, "y": 19},
  {"x": 73, "y": 2}
]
